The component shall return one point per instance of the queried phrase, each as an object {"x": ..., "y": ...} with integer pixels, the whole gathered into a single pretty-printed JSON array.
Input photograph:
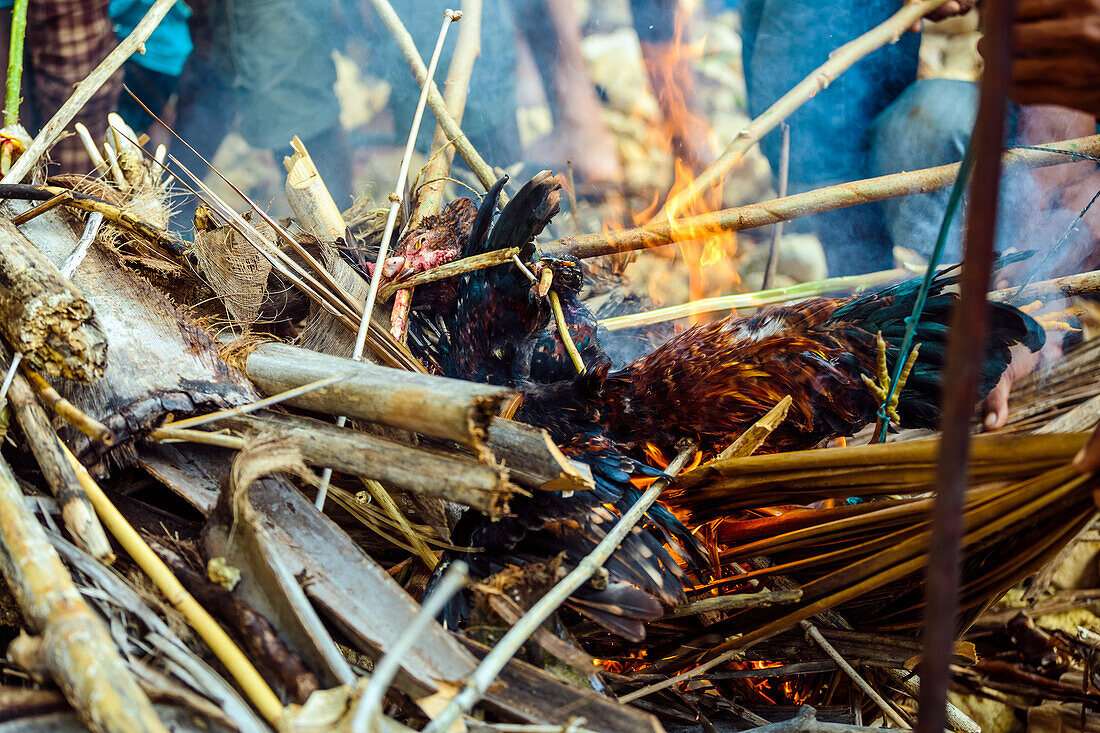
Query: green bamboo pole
[{"x": 15, "y": 62}]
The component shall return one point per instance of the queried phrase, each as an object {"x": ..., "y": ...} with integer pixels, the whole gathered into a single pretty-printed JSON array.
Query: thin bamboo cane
[
  {"x": 202, "y": 622},
  {"x": 838, "y": 62},
  {"x": 804, "y": 204}
]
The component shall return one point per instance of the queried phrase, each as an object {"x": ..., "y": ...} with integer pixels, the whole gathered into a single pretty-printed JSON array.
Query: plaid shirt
[{"x": 66, "y": 39}]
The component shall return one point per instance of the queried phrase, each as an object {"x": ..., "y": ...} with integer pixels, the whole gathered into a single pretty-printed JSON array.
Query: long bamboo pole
[
  {"x": 829, "y": 198},
  {"x": 481, "y": 169},
  {"x": 838, "y": 62}
]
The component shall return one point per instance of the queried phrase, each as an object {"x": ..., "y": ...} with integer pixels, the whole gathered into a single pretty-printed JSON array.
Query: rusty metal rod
[{"x": 965, "y": 353}]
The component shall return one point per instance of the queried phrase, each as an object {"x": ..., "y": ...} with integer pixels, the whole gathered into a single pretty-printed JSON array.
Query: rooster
[{"x": 707, "y": 384}]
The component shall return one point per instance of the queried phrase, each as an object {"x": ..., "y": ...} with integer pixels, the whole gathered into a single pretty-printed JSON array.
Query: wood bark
[
  {"x": 161, "y": 362},
  {"x": 75, "y": 646},
  {"x": 422, "y": 470},
  {"x": 442, "y": 408},
  {"x": 43, "y": 316}
]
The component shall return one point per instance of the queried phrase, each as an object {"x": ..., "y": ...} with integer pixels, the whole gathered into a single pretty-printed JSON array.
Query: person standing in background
[{"x": 65, "y": 41}]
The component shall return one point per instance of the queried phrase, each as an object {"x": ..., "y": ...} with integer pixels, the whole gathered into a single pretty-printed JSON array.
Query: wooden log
[
  {"x": 463, "y": 480},
  {"x": 442, "y": 408},
  {"x": 80, "y": 519},
  {"x": 161, "y": 362},
  {"x": 75, "y": 647},
  {"x": 533, "y": 460},
  {"x": 43, "y": 316}
]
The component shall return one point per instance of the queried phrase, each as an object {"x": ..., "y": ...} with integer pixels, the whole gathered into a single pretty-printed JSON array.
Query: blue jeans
[{"x": 783, "y": 41}]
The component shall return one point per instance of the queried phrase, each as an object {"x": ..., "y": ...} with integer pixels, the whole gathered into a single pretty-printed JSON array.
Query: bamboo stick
[
  {"x": 450, "y": 269},
  {"x": 42, "y": 208},
  {"x": 75, "y": 645},
  {"x": 839, "y": 61},
  {"x": 442, "y": 408},
  {"x": 52, "y": 130},
  {"x": 76, "y": 511},
  {"x": 67, "y": 411},
  {"x": 449, "y": 17},
  {"x": 433, "y": 178},
  {"x": 804, "y": 204},
  {"x": 481, "y": 169},
  {"x": 223, "y": 647}
]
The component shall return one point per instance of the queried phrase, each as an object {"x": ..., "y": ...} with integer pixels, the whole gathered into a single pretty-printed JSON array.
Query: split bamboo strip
[
  {"x": 309, "y": 198},
  {"x": 52, "y": 130},
  {"x": 804, "y": 204},
  {"x": 816, "y": 81},
  {"x": 76, "y": 646},
  {"x": 202, "y": 622}
]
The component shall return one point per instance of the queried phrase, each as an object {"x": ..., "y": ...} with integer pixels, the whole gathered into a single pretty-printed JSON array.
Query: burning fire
[{"x": 708, "y": 254}]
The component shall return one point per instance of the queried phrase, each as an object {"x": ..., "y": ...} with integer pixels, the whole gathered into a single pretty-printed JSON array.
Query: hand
[
  {"x": 1088, "y": 458},
  {"x": 947, "y": 10},
  {"x": 1056, "y": 54},
  {"x": 951, "y": 8}
]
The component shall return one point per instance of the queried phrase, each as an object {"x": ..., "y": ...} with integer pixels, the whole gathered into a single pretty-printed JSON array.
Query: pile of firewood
[{"x": 189, "y": 542}]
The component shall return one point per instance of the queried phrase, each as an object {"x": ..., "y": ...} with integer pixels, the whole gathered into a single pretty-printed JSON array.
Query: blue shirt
[{"x": 168, "y": 47}]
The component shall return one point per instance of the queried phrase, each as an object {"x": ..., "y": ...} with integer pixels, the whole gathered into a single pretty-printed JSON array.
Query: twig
[
  {"x": 887, "y": 710},
  {"x": 226, "y": 650},
  {"x": 563, "y": 331},
  {"x": 194, "y": 422},
  {"x": 80, "y": 519},
  {"x": 962, "y": 371},
  {"x": 777, "y": 228},
  {"x": 91, "y": 230},
  {"x": 839, "y": 61},
  {"x": 798, "y": 205},
  {"x": 450, "y": 269},
  {"x": 433, "y": 179},
  {"x": 52, "y": 130},
  {"x": 495, "y": 660},
  {"x": 477, "y": 164},
  {"x": 42, "y": 208},
  {"x": 747, "y": 443},
  {"x": 736, "y": 601},
  {"x": 387, "y": 234},
  {"x": 66, "y": 410},
  {"x": 75, "y": 644},
  {"x": 368, "y": 708}
]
